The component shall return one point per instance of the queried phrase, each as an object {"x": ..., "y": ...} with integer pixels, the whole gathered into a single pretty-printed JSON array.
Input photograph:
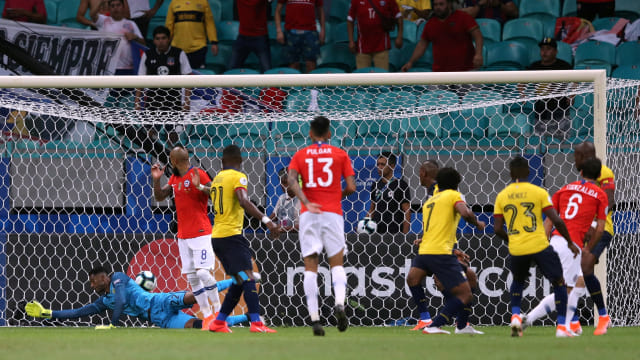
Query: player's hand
[
  {"x": 314, "y": 208},
  {"x": 481, "y": 225},
  {"x": 574, "y": 249},
  {"x": 417, "y": 241},
  {"x": 195, "y": 178},
  {"x": 477, "y": 61},
  {"x": 214, "y": 49},
  {"x": 36, "y": 309},
  {"x": 157, "y": 171},
  {"x": 274, "y": 230},
  {"x": 406, "y": 67},
  {"x": 398, "y": 42},
  {"x": 280, "y": 37},
  {"x": 105, "y": 327},
  {"x": 461, "y": 256},
  {"x": 352, "y": 46}
]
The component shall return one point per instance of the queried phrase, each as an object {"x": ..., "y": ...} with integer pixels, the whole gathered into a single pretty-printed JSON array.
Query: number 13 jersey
[{"x": 322, "y": 167}]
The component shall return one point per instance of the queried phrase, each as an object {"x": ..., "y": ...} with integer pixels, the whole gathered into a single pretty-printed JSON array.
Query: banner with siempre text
[{"x": 68, "y": 51}]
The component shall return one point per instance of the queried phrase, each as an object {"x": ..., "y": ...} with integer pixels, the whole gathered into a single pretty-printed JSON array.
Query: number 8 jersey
[
  {"x": 322, "y": 167},
  {"x": 578, "y": 203}
]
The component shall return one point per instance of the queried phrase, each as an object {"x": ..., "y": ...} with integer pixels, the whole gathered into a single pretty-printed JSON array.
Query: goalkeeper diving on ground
[{"x": 121, "y": 294}]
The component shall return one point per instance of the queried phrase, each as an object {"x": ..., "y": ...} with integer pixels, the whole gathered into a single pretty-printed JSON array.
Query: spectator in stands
[
  {"x": 390, "y": 198},
  {"x": 287, "y": 209},
  {"x": 588, "y": 9},
  {"x": 501, "y": 10},
  {"x": 375, "y": 19},
  {"x": 102, "y": 7},
  {"x": 414, "y": 10},
  {"x": 302, "y": 41},
  {"x": 453, "y": 34},
  {"x": 191, "y": 24},
  {"x": 141, "y": 13},
  {"x": 253, "y": 35},
  {"x": 116, "y": 23},
  {"x": 164, "y": 60},
  {"x": 25, "y": 10},
  {"x": 553, "y": 113}
]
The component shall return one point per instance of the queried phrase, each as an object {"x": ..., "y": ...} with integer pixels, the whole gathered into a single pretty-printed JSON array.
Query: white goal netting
[{"x": 77, "y": 192}]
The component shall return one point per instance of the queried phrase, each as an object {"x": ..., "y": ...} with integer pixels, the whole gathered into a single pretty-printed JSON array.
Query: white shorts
[
  {"x": 196, "y": 253},
  {"x": 321, "y": 231},
  {"x": 571, "y": 269}
]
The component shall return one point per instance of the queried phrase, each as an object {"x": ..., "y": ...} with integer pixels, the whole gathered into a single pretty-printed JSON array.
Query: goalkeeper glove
[
  {"x": 105, "y": 327},
  {"x": 36, "y": 309}
]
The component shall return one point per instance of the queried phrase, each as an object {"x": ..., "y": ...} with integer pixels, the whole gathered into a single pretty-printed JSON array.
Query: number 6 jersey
[{"x": 322, "y": 167}]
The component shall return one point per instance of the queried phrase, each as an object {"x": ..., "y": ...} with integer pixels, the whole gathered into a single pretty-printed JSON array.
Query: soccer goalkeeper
[{"x": 121, "y": 294}]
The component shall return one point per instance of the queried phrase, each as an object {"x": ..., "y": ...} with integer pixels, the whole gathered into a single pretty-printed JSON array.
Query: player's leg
[
  {"x": 415, "y": 277},
  {"x": 310, "y": 246},
  {"x": 548, "y": 262},
  {"x": 204, "y": 261},
  {"x": 335, "y": 245},
  {"x": 462, "y": 318},
  {"x": 592, "y": 283},
  {"x": 572, "y": 305},
  {"x": 187, "y": 257},
  {"x": 519, "y": 267},
  {"x": 448, "y": 271}
]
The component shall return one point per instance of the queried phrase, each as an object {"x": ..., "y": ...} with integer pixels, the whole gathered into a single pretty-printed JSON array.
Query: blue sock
[
  {"x": 595, "y": 291},
  {"x": 575, "y": 317},
  {"x": 236, "y": 319},
  {"x": 421, "y": 301},
  {"x": 224, "y": 284},
  {"x": 451, "y": 307},
  {"x": 560, "y": 292},
  {"x": 462, "y": 318},
  {"x": 252, "y": 300},
  {"x": 230, "y": 302},
  {"x": 516, "y": 297}
]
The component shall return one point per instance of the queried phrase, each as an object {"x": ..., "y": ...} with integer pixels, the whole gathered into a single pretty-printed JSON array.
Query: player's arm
[
  {"x": 297, "y": 190},
  {"x": 159, "y": 192},
  {"x": 251, "y": 209},
  {"x": 498, "y": 227},
  {"x": 351, "y": 186},
  {"x": 119, "y": 282},
  {"x": 595, "y": 237},
  {"x": 610, "y": 197},
  {"x": 36, "y": 309},
  {"x": 548, "y": 227},
  {"x": 406, "y": 224},
  {"x": 468, "y": 215},
  {"x": 557, "y": 222},
  {"x": 421, "y": 47},
  {"x": 195, "y": 180}
]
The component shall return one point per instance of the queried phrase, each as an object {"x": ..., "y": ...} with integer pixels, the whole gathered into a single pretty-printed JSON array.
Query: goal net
[{"x": 76, "y": 185}]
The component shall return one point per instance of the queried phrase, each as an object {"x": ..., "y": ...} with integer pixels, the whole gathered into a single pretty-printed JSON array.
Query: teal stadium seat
[
  {"x": 339, "y": 10},
  {"x": 154, "y": 23},
  {"x": 67, "y": 14},
  {"x": 543, "y": 10},
  {"x": 507, "y": 53},
  {"x": 509, "y": 130},
  {"x": 241, "y": 71},
  {"x": 216, "y": 10},
  {"x": 228, "y": 31},
  {"x": 338, "y": 33},
  {"x": 383, "y": 133},
  {"x": 277, "y": 56},
  {"x": 491, "y": 30},
  {"x": 467, "y": 127},
  {"x": 582, "y": 114},
  {"x": 409, "y": 32},
  {"x": 163, "y": 10},
  {"x": 282, "y": 70},
  {"x": 569, "y": 8},
  {"x": 628, "y": 53},
  {"x": 399, "y": 57},
  {"x": 627, "y": 72},
  {"x": 605, "y": 23},
  {"x": 204, "y": 72},
  {"x": 426, "y": 60},
  {"x": 251, "y": 135},
  {"x": 291, "y": 135},
  {"x": 271, "y": 29},
  {"x": 227, "y": 9},
  {"x": 595, "y": 53},
  {"x": 420, "y": 69},
  {"x": 628, "y": 9},
  {"x": 52, "y": 11},
  {"x": 527, "y": 31},
  {"x": 336, "y": 104},
  {"x": 371, "y": 69},
  {"x": 584, "y": 66},
  {"x": 426, "y": 131},
  {"x": 338, "y": 56},
  {"x": 220, "y": 62},
  {"x": 327, "y": 70}
]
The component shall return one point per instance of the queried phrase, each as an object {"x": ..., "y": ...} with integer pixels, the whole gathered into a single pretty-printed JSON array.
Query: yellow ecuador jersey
[
  {"x": 606, "y": 181},
  {"x": 229, "y": 215},
  {"x": 191, "y": 23},
  {"x": 416, "y": 4},
  {"x": 521, "y": 204},
  {"x": 440, "y": 220}
]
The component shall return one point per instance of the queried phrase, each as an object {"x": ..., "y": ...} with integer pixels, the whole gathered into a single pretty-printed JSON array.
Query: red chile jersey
[
  {"x": 301, "y": 14},
  {"x": 578, "y": 203},
  {"x": 322, "y": 167},
  {"x": 371, "y": 36},
  {"x": 191, "y": 205},
  {"x": 253, "y": 17}
]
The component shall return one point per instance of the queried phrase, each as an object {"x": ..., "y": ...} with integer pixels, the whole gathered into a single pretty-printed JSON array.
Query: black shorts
[
  {"x": 547, "y": 260},
  {"x": 445, "y": 267},
  {"x": 604, "y": 242},
  {"x": 234, "y": 253}
]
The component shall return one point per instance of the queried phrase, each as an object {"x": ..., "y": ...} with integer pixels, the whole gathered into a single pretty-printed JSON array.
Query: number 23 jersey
[{"x": 322, "y": 167}]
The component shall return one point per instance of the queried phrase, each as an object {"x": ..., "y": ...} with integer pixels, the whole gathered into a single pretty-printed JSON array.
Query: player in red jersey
[
  {"x": 577, "y": 203},
  {"x": 194, "y": 227},
  {"x": 321, "y": 167}
]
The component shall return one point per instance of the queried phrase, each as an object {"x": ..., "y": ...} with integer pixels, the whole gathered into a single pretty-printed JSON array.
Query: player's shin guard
[
  {"x": 572, "y": 303},
  {"x": 546, "y": 306},
  {"x": 419, "y": 298},
  {"x": 252, "y": 300},
  {"x": 200, "y": 294},
  {"x": 516, "y": 296},
  {"x": 560, "y": 292},
  {"x": 452, "y": 307},
  {"x": 593, "y": 285},
  {"x": 339, "y": 281},
  {"x": 230, "y": 301},
  {"x": 311, "y": 293},
  {"x": 210, "y": 287}
]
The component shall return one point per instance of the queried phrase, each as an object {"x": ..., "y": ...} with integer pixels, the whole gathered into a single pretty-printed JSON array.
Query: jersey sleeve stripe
[
  {"x": 498, "y": 215},
  {"x": 547, "y": 207}
]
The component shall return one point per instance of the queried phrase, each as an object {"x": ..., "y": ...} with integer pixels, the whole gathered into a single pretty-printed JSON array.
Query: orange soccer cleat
[
  {"x": 259, "y": 327},
  {"x": 604, "y": 322},
  {"x": 219, "y": 326}
]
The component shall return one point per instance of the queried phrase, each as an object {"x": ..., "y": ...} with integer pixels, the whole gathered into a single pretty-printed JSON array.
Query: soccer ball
[
  {"x": 146, "y": 280},
  {"x": 366, "y": 226}
]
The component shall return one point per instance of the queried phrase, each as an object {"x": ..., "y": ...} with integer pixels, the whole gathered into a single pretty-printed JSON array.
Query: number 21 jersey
[{"x": 322, "y": 167}]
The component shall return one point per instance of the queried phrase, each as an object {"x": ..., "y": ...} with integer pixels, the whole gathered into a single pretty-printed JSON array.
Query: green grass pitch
[{"x": 298, "y": 343}]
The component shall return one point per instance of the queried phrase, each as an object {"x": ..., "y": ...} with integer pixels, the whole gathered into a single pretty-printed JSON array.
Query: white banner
[{"x": 68, "y": 51}]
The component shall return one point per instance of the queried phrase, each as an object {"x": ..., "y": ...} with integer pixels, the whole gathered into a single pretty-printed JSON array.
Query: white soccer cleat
[
  {"x": 468, "y": 330},
  {"x": 434, "y": 330},
  {"x": 516, "y": 325}
]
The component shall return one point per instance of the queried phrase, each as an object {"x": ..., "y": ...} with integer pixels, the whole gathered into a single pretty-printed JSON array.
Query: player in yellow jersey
[
  {"x": 593, "y": 249},
  {"x": 229, "y": 197},
  {"x": 441, "y": 215},
  {"x": 521, "y": 205}
]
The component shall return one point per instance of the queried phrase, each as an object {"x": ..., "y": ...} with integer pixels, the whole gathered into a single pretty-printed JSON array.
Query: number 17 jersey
[{"x": 322, "y": 167}]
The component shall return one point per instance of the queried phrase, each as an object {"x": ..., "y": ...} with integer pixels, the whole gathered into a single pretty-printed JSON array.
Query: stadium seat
[
  {"x": 338, "y": 33},
  {"x": 628, "y": 53},
  {"x": 548, "y": 27},
  {"x": 427, "y": 58},
  {"x": 228, "y": 31},
  {"x": 605, "y": 23},
  {"x": 339, "y": 10},
  {"x": 291, "y": 134},
  {"x": 241, "y": 71},
  {"x": 216, "y": 10},
  {"x": 52, "y": 11},
  {"x": 507, "y": 53},
  {"x": 584, "y": 66},
  {"x": 569, "y": 8},
  {"x": 417, "y": 133},
  {"x": 627, "y": 72},
  {"x": 420, "y": 69},
  {"x": 371, "y": 69},
  {"x": 271, "y": 29},
  {"x": 220, "y": 62},
  {"x": 468, "y": 126},
  {"x": 67, "y": 14},
  {"x": 530, "y": 8},
  {"x": 509, "y": 130},
  {"x": 282, "y": 70},
  {"x": 491, "y": 30},
  {"x": 163, "y": 10},
  {"x": 154, "y": 23},
  {"x": 529, "y": 31},
  {"x": 628, "y": 9},
  {"x": 409, "y": 32},
  {"x": 398, "y": 57},
  {"x": 338, "y": 56},
  {"x": 250, "y": 134},
  {"x": 595, "y": 53},
  {"x": 582, "y": 114},
  {"x": 227, "y": 10},
  {"x": 204, "y": 72},
  {"x": 374, "y": 133},
  {"x": 327, "y": 70},
  {"x": 564, "y": 53}
]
